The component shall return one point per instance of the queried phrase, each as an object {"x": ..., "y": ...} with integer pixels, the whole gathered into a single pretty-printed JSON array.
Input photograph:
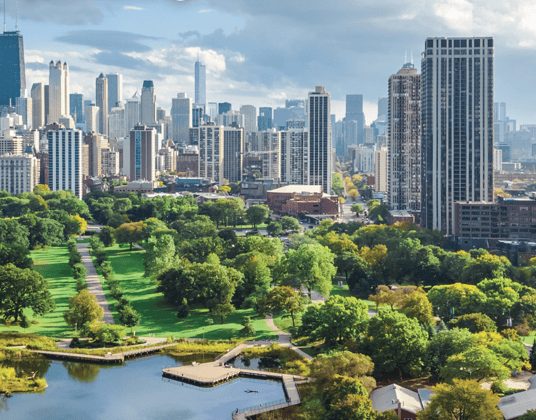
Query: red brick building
[{"x": 296, "y": 199}]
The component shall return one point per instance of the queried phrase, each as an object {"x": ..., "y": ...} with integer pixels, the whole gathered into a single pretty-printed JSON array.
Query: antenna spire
[
  {"x": 4, "y": 16},
  {"x": 411, "y": 56},
  {"x": 17, "y": 15},
  {"x": 405, "y": 56}
]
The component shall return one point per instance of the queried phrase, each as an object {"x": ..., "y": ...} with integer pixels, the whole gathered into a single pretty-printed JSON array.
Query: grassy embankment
[{"x": 157, "y": 317}]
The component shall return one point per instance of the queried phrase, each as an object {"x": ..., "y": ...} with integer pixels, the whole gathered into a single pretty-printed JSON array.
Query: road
[{"x": 347, "y": 214}]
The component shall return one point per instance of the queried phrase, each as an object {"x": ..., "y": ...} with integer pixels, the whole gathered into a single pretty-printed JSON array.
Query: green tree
[
  {"x": 357, "y": 208},
  {"x": 257, "y": 278},
  {"x": 387, "y": 415},
  {"x": 41, "y": 189},
  {"x": 532, "y": 359},
  {"x": 290, "y": 224},
  {"x": 257, "y": 214},
  {"x": 475, "y": 323},
  {"x": 310, "y": 266},
  {"x": 477, "y": 363},
  {"x": 130, "y": 233},
  {"x": 485, "y": 266},
  {"x": 13, "y": 233},
  {"x": 274, "y": 228},
  {"x": 447, "y": 343},
  {"x": 129, "y": 317},
  {"x": 464, "y": 400},
  {"x": 107, "y": 236},
  {"x": 16, "y": 255},
  {"x": 83, "y": 308},
  {"x": 395, "y": 343},
  {"x": 337, "y": 184},
  {"x": 223, "y": 310},
  {"x": 353, "y": 407},
  {"x": 529, "y": 415},
  {"x": 501, "y": 295},
  {"x": 282, "y": 300},
  {"x": 456, "y": 299},
  {"x": 340, "y": 388},
  {"x": 21, "y": 289},
  {"x": 248, "y": 330},
  {"x": 160, "y": 256},
  {"x": 346, "y": 262},
  {"x": 416, "y": 305}
]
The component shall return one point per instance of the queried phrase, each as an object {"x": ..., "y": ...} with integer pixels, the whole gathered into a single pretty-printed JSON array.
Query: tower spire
[
  {"x": 4, "y": 16},
  {"x": 411, "y": 56},
  {"x": 17, "y": 15},
  {"x": 405, "y": 56}
]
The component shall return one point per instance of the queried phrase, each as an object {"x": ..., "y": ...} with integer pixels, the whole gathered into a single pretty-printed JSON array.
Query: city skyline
[{"x": 235, "y": 71}]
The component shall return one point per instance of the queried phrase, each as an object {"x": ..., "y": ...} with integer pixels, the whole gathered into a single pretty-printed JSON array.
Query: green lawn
[
  {"x": 529, "y": 339},
  {"x": 160, "y": 319},
  {"x": 53, "y": 264}
]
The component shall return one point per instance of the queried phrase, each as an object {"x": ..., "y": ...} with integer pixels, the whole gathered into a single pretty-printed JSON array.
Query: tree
[
  {"x": 340, "y": 388},
  {"x": 310, "y": 266},
  {"x": 341, "y": 200},
  {"x": 290, "y": 224},
  {"x": 346, "y": 262},
  {"x": 353, "y": 407},
  {"x": 337, "y": 320},
  {"x": 447, "y": 343},
  {"x": 107, "y": 236},
  {"x": 529, "y": 415},
  {"x": 223, "y": 310},
  {"x": 416, "y": 305},
  {"x": 353, "y": 193},
  {"x": 501, "y": 295},
  {"x": 79, "y": 224},
  {"x": 456, "y": 299},
  {"x": 160, "y": 256},
  {"x": 532, "y": 358},
  {"x": 248, "y": 329},
  {"x": 477, "y": 363},
  {"x": 274, "y": 228},
  {"x": 130, "y": 233},
  {"x": 224, "y": 189},
  {"x": 257, "y": 214},
  {"x": 83, "y": 308},
  {"x": 395, "y": 343},
  {"x": 129, "y": 317},
  {"x": 475, "y": 323},
  {"x": 464, "y": 400},
  {"x": 257, "y": 278},
  {"x": 337, "y": 184},
  {"x": 41, "y": 189},
  {"x": 485, "y": 266},
  {"x": 16, "y": 255},
  {"x": 282, "y": 300},
  {"x": 357, "y": 208},
  {"x": 13, "y": 233},
  {"x": 21, "y": 289}
]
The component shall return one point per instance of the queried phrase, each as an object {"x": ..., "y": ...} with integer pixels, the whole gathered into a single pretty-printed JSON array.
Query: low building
[
  {"x": 181, "y": 184},
  {"x": 137, "y": 186},
  {"x": 394, "y": 216},
  {"x": 203, "y": 197},
  {"x": 404, "y": 402},
  {"x": 257, "y": 189},
  {"x": 302, "y": 199},
  {"x": 188, "y": 162},
  {"x": 515, "y": 405}
]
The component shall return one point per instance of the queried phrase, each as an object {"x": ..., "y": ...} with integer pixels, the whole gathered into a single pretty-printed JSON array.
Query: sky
[{"x": 261, "y": 52}]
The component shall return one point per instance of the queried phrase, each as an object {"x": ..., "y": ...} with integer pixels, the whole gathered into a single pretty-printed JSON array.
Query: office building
[
  {"x": 148, "y": 103},
  {"x": 188, "y": 162},
  {"x": 116, "y": 123},
  {"x": 320, "y": 143},
  {"x": 10, "y": 142},
  {"x": 58, "y": 92},
  {"x": 65, "y": 160},
  {"x": 66, "y": 121},
  {"x": 18, "y": 173},
  {"x": 102, "y": 103},
  {"x": 404, "y": 139},
  {"x": 132, "y": 112},
  {"x": 38, "y": 105},
  {"x": 498, "y": 159},
  {"x": 198, "y": 115},
  {"x": 95, "y": 143},
  {"x": 110, "y": 162},
  {"x": 181, "y": 115},
  {"x": 224, "y": 107},
  {"x": 380, "y": 170},
  {"x": 383, "y": 107},
  {"x": 268, "y": 147},
  {"x": 92, "y": 119},
  {"x": 230, "y": 119},
  {"x": 200, "y": 83},
  {"x": 354, "y": 112},
  {"x": 295, "y": 156},
  {"x": 12, "y": 67},
  {"x": 210, "y": 141},
  {"x": 24, "y": 107},
  {"x": 212, "y": 111},
  {"x": 233, "y": 149},
  {"x": 264, "y": 120},
  {"x": 457, "y": 121},
  {"x": 139, "y": 154},
  {"x": 115, "y": 91},
  {"x": 76, "y": 101},
  {"x": 250, "y": 118}
]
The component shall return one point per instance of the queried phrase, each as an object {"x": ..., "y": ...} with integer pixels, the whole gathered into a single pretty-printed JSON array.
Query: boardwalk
[{"x": 93, "y": 284}]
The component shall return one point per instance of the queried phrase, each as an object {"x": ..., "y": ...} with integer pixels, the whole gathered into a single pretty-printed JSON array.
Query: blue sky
[{"x": 262, "y": 52}]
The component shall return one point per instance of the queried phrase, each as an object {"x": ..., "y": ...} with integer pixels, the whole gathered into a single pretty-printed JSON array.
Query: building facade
[
  {"x": 404, "y": 140},
  {"x": 58, "y": 92},
  {"x": 76, "y": 102},
  {"x": 181, "y": 115},
  {"x": 101, "y": 95},
  {"x": 65, "y": 160},
  {"x": 210, "y": 140},
  {"x": 115, "y": 91},
  {"x": 92, "y": 119},
  {"x": 38, "y": 105},
  {"x": 233, "y": 149},
  {"x": 354, "y": 120},
  {"x": 380, "y": 170},
  {"x": 200, "y": 83},
  {"x": 18, "y": 173},
  {"x": 457, "y": 121},
  {"x": 250, "y": 117},
  {"x": 295, "y": 156},
  {"x": 148, "y": 103},
  {"x": 132, "y": 112},
  {"x": 320, "y": 147},
  {"x": 139, "y": 154},
  {"x": 12, "y": 67},
  {"x": 265, "y": 118}
]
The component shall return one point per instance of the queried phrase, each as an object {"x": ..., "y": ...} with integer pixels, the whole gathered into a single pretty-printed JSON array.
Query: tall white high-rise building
[
  {"x": 267, "y": 145},
  {"x": 102, "y": 103},
  {"x": 210, "y": 140},
  {"x": 92, "y": 119},
  {"x": 115, "y": 91},
  {"x": 200, "y": 83},
  {"x": 38, "y": 105},
  {"x": 65, "y": 160},
  {"x": 116, "y": 123},
  {"x": 148, "y": 103},
  {"x": 181, "y": 115},
  {"x": 58, "y": 91},
  {"x": 233, "y": 150},
  {"x": 24, "y": 107},
  {"x": 212, "y": 111},
  {"x": 457, "y": 121},
  {"x": 295, "y": 156},
  {"x": 132, "y": 112},
  {"x": 320, "y": 143},
  {"x": 231, "y": 118},
  {"x": 380, "y": 170},
  {"x": 250, "y": 117},
  {"x": 404, "y": 139}
]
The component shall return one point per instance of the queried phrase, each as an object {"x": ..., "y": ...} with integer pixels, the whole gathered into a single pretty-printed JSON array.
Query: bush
[
  {"x": 75, "y": 259},
  {"x": 116, "y": 293},
  {"x": 95, "y": 244},
  {"x": 475, "y": 323},
  {"x": 107, "y": 236},
  {"x": 183, "y": 312},
  {"x": 510, "y": 334},
  {"x": 79, "y": 271},
  {"x": 498, "y": 387},
  {"x": 100, "y": 257},
  {"x": 106, "y": 268},
  {"x": 110, "y": 333},
  {"x": 24, "y": 322},
  {"x": 80, "y": 285},
  {"x": 248, "y": 329},
  {"x": 121, "y": 303}
]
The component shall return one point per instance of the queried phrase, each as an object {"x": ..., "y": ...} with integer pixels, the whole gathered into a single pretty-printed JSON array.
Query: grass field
[
  {"x": 160, "y": 319},
  {"x": 53, "y": 264}
]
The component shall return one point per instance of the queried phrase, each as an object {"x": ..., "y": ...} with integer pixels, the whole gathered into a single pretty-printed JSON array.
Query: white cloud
[
  {"x": 133, "y": 8},
  {"x": 205, "y": 11}
]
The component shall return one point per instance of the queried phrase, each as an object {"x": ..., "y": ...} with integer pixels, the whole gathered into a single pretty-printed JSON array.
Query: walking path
[
  {"x": 284, "y": 338},
  {"x": 93, "y": 284}
]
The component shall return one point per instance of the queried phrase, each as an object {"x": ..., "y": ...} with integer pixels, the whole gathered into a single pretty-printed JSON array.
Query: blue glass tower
[{"x": 12, "y": 69}]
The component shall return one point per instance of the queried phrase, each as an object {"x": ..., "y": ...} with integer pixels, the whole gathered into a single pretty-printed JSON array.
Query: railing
[{"x": 262, "y": 406}]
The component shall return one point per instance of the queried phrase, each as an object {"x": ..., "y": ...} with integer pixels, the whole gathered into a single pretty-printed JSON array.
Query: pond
[{"x": 135, "y": 390}]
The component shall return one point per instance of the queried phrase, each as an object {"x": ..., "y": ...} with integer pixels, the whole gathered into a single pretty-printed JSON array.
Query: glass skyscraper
[
  {"x": 355, "y": 120},
  {"x": 12, "y": 68},
  {"x": 200, "y": 83},
  {"x": 457, "y": 121},
  {"x": 265, "y": 118}
]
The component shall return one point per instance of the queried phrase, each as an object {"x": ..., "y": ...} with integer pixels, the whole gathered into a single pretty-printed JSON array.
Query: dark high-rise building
[
  {"x": 265, "y": 119},
  {"x": 457, "y": 121},
  {"x": 224, "y": 107},
  {"x": 77, "y": 107},
  {"x": 355, "y": 120},
  {"x": 12, "y": 68},
  {"x": 320, "y": 143}
]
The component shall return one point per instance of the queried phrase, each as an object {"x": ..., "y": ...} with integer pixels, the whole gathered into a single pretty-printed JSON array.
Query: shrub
[
  {"x": 95, "y": 244},
  {"x": 248, "y": 329},
  {"x": 106, "y": 268},
  {"x": 498, "y": 387},
  {"x": 183, "y": 312},
  {"x": 475, "y": 323},
  {"x": 121, "y": 303},
  {"x": 24, "y": 322},
  {"x": 80, "y": 285},
  {"x": 79, "y": 271},
  {"x": 100, "y": 257},
  {"x": 76, "y": 258},
  {"x": 510, "y": 334},
  {"x": 109, "y": 333}
]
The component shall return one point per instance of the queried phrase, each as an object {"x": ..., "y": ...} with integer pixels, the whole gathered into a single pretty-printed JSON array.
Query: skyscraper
[
  {"x": 12, "y": 68},
  {"x": 383, "y": 107},
  {"x": 250, "y": 116},
  {"x": 58, "y": 96},
  {"x": 224, "y": 107},
  {"x": 295, "y": 156},
  {"x": 115, "y": 91},
  {"x": 457, "y": 121},
  {"x": 38, "y": 105},
  {"x": 200, "y": 83},
  {"x": 181, "y": 115},
  {"x": 148, "y": 103},
  {"x": 265, "y": 118},
  {"x": 76, "y": 101},
  {"x": 139, "y": 154},
  {"x": 320, "y": 148},
  {"x": 210, "y": 139},
  {"x": 64, "y": 161},
  {"x": 132, "y": 112},
  {"x": 404, "y": 139},
  {"x": 101, "y": 100},
  {"x": 233, "y": 149},
  {"x": 354, "y": 112},
  {"x": 92, "y": 119},
  {"x": 24, "y": 108}
]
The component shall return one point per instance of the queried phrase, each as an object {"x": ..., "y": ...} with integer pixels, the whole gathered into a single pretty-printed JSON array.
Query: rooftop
[
  {"x": 515, "y": 405},
  {"x": 387, "y": 398},
  {"x": 299, "y": 189}
]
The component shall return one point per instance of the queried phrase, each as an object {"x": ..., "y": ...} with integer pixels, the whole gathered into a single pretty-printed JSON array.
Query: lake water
[{"x": 135, "y": 390}]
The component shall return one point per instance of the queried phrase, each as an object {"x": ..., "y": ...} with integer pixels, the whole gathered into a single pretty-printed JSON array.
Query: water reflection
[
  {"x": 82, "y": 372},
  {"x": 27, "y": 367}
]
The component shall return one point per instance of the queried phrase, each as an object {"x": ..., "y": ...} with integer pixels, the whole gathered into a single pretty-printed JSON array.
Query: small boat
[{"x": 249, "y": 391}]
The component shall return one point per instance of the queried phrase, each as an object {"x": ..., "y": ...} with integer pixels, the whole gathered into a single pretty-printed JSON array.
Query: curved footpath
[
  {"x": 284, "y": 338},
  {"x": 93, "y": 284}
]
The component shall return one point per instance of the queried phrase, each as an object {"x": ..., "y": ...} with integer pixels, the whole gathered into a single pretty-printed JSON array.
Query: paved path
[
  {"x": 284, "y": 338},
  {"x": 93, "y": 284}
]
